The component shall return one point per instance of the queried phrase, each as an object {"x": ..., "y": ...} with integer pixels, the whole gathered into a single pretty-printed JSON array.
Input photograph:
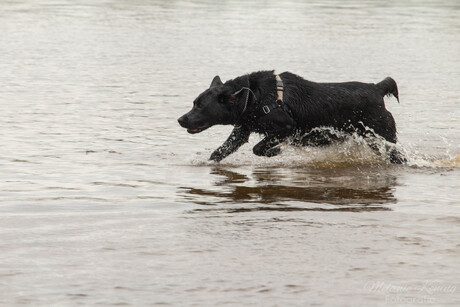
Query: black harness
[
  {"x": 279, "y": 100},
  {"x": 271, "y": 106}
]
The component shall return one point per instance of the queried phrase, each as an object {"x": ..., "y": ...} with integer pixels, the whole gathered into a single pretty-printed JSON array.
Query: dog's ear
[{"x": 216, "y": 82}]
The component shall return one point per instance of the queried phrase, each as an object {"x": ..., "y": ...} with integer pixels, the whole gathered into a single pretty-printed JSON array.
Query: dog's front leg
[
  {"x": 238, "y": 137},
  {"x": 268, "y": 146}
]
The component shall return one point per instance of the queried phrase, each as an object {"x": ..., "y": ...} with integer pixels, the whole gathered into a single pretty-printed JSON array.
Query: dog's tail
[{"x": 388, "y": 87}]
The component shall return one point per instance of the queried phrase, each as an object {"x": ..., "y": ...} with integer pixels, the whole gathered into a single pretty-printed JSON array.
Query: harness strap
[
  {"x": 279, "y": 100},
  {"x": 279, "y": 87}
]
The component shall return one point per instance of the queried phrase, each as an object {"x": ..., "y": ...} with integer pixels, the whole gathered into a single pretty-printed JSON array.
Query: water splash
[
  {"x": 448, "y": 162},
  {"x": 353, "y": 151}
]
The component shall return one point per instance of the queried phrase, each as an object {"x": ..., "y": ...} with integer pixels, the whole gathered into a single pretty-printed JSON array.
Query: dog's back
[{"x": 345, "y": 106}]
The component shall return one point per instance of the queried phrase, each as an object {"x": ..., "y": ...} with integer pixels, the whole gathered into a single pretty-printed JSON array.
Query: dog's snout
[{"x": 183, "y": 120}]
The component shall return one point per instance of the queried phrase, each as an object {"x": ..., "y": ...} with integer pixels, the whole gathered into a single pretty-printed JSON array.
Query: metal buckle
[{"x": 266, "y": 109}]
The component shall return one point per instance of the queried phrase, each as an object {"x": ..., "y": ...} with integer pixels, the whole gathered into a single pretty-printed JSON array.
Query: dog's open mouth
[{"x": 197, "y": 130}]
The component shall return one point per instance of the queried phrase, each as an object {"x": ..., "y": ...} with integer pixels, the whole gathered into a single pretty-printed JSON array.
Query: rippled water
[{"x": 104, "y": 199}]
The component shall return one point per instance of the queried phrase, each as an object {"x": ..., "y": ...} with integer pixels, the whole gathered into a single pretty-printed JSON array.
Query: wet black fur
[{"x": 346, "y": 107}]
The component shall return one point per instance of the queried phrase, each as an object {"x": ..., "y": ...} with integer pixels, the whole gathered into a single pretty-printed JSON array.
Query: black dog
[{"x": 288, "y": 106}]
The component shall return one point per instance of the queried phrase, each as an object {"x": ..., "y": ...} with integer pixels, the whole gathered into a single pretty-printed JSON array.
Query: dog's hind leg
[
  {"x": 393, "y": 154},
  {"x": 396, "y": 157},
  {"x": 238, "y": 137},
  {"x": 384, "y": 126}
]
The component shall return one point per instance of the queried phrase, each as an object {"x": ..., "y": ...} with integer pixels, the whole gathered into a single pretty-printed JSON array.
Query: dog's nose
[{"x": 183, "y": 121}]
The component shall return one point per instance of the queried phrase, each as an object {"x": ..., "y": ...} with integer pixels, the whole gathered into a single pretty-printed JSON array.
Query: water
[{"x": 105, "y": 200}]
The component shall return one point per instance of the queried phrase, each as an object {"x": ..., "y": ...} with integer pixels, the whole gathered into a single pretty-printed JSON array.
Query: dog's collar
[
  {"x": 247, "y": 95},
  {"x": 279, "y": 100},
  {"x": 247, "y": 99}
]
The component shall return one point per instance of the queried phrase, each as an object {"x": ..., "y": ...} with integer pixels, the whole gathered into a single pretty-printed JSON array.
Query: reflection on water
[{"x": 342, "y": 189}]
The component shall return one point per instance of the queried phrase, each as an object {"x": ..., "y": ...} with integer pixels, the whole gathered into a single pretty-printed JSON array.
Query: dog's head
[{"x": 220, "y": 104}]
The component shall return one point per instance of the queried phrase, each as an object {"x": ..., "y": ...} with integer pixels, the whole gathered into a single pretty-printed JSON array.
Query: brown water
[{"x": 105, "y": 200}]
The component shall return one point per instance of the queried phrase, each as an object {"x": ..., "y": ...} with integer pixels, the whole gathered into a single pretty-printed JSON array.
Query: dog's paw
[
  {"x": 273, "y": 152},
  {"x": 216, "y": 156}
]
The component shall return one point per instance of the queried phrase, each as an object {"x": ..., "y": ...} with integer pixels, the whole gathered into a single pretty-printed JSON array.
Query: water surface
[{"x": 104, "y": 199}]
